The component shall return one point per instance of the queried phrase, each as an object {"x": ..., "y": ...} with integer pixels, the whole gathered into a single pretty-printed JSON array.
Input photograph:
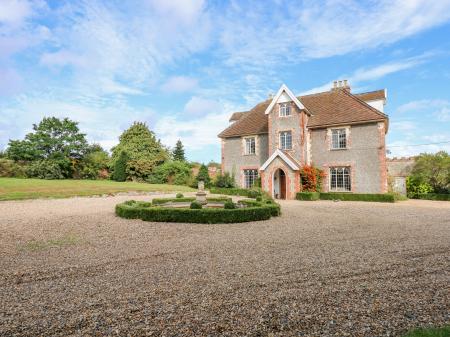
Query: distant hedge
[
  {"x": 243, "y": 192},
  {"x": 433, "y": 196},
  {"x": 160, "y": 201},
  {"x": 358, "y": 197},
  {"x": 146, "y": 212},
  {"x": 309, "y": 196}
]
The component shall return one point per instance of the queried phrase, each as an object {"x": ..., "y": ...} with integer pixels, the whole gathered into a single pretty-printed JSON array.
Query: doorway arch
[{"x": 279, "y": 184}]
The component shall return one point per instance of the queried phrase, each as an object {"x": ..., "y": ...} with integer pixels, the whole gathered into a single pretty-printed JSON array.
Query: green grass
[
  {"x": 430, "y": 332},
  {"x": 18, "y": 189}
]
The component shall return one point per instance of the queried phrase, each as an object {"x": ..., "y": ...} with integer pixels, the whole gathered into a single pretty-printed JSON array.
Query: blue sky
[{"x": 184, "y": 66}]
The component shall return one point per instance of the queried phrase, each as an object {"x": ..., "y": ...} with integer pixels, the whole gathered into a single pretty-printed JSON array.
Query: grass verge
[
  {"x": 430, "y": 332},
  {"x": 18, "y": 189}
]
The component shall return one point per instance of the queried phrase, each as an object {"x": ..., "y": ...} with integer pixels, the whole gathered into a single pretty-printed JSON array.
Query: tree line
[{"x": 57, "y": 149}]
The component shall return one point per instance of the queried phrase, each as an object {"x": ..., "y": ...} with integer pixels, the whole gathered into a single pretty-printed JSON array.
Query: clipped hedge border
[
  {"x": 358, "y": 197},
  {"x": 307, "y": 196},
  {"x": 434, "y": 196},
  {"x": 134, "y": 210},
  {"x": 161, "y": 201},
  {"x": 275, "y": 209},
  {"x": 243, "y": 192}
]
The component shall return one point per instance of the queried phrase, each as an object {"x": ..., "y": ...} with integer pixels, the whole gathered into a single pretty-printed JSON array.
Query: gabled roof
[
  {"x": 283, "y": 89},
  {"x": 286, "y": 158},
  {"x": 373, "y": 95},
  {"x": 334, "y": 107},
  {"x": 236, "y": 116}
]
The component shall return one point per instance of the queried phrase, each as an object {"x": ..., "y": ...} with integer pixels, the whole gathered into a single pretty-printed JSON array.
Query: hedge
[
  {"x": 275, "y": 209},
  {"x": 358, "y": 197},
  {"x": 310, "y": 196},
  {"x": 160, "y": 201},
  {"x": 243, "y": 192},
  {"x": 433, "y": 196},
  {"x": 134, "y": 210}
]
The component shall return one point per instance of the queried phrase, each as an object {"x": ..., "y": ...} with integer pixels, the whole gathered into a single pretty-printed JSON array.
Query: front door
[{"x": 282, "y": 185}]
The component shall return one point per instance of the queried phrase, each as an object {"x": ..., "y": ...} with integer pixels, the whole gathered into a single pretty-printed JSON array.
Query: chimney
[
  {"x": 334, "y": 85},
  {"x": 346, "y": 85}
]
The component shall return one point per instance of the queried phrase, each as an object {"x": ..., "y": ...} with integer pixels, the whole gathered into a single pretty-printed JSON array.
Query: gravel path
[{"x": 70, "y": 267}]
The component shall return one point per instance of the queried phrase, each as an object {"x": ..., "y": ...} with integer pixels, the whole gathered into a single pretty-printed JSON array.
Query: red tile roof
[
  {"x": 334, "y": 107},
  {"x": 372, "y": 95}
]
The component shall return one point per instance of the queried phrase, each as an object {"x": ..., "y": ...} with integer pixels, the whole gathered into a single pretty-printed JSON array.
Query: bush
[
  {"x": 171, "y": 172},
  {"x": 358, "y": 197},
  {"x": 120, "y": 167},
  {"x": 132, "y": 210},
  {"x": 274, "y": 208},
  {"x": 45, "y": 169},
  {"x": 179, "y": 195},
  {"x": 224, "y": 181},
  {"x": 95, "y": 165},
  {"x": 196, "y": 205},
  {"x": 229, "y": 205},
  {"x": 10, "y": 168},
  {"x": 259, "y": 198},
  {"x": 203, "y": 175},
  {"x": 434, "y": 196},
  {"x": 309, "y": 196},
  {"x": 311, "y": 178}
]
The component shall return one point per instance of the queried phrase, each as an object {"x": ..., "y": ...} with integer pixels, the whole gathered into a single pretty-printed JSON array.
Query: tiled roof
[
  {"x": 334, "y": 107},
  {"x": 236, "y": 116},
  {"x": 372, "y": 95}
]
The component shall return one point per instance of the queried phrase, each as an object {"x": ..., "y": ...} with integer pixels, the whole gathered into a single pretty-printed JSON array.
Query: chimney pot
[
  {"x": 334, "y": 84},
  {"x": 340, "y": 84},
  {"x": 345, "y": 84}
]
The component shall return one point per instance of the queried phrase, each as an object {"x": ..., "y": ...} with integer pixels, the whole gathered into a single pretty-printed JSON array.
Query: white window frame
[
  {"x": 284, "y": 140},
  {"x": 285, "y": 109},
  {"x": 248, "y": 148},
  {"x": 339, "y": 139},
  {"x": 250, "y": 177},
  {"x": 340, "y": 179}
]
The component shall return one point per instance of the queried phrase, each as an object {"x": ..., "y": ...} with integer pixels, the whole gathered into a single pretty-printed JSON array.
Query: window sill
[
  {"x": 249, "y": 154},
  {"x": 344, "y": 148}
]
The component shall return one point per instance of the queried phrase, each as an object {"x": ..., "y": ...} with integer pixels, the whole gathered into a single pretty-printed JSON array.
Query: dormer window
[
  {"x": 338, "y": 139},
  {"x": 285, "y": 109}
]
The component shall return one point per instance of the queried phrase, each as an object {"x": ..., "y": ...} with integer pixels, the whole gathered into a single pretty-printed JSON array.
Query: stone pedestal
[{"x": 200, "y": 196}]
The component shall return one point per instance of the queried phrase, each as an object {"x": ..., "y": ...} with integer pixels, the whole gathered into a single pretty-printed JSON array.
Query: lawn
[
  {"x": 17, "y": 189},
  {"x": 431, "y": 332}
]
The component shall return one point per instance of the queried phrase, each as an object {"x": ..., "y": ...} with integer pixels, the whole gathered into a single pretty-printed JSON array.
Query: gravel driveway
[{"x": 70, "y": 267}]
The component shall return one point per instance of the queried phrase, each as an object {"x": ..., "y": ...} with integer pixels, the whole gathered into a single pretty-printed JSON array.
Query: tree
[
  {"x": 95, "y": 163},
  {"x": 55, "y": 147},
  {"x": 434, "y": 170},
  {"x": 144, "y": 151},
  {"x": 178, "y": 152},
  {"x": 120, "y": 167},
  {"x": 172, "y": 172},
  {"x": 203, "y": 175}
]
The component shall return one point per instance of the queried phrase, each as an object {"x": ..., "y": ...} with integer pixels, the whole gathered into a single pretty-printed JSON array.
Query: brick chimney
[{"x": 340, "y": 84}]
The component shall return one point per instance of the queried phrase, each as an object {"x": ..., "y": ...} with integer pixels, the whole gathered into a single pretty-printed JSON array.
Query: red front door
[{"x": 282, "y": 185}]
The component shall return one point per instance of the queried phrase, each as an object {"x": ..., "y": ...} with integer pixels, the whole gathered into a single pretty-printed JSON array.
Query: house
[{"x": 338, "y": 131}]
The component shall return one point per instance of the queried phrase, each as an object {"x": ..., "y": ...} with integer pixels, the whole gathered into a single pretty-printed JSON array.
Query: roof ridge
[
  {"x": 315, "y": 94},
  {"x": 368, "y": 92}
]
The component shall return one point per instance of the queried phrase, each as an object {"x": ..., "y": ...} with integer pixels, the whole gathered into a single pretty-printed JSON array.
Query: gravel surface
[{"x": 70, "y": 267}]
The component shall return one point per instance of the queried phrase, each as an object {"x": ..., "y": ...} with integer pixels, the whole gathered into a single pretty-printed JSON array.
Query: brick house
[{"x": 338, "y": 131}]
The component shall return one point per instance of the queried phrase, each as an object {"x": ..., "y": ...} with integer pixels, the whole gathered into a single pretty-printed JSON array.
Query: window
[
  {"x": 340, "y": 179},
  {"x": 286, "y": 140},
  {"x": 285, "y": 109},
  {"x": 250, "y": 177},
  {"x": 250, "y": 145},
  {"x": 338, "y": 139}
]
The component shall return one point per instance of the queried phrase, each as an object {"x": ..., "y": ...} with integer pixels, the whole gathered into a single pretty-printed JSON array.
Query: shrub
[
  {"x": 45, "y": 169},
  {"x": 358, "y": 197},
  {"x": 171, "y": 172},
  {"x": 203, "y": 175},
  {"x": 311, "y": 178},
  {"x": 132, "y": 210},
  {"x": 309, "y": 196},
  {"x": 434, "y": 196},
  {"x": 229, "y": 205},
  {"x": 224, "y": 181},
  {"x": 120, "y": 167},
  {"x": 244, "y": 192},
  {"x": 179, "y": 195},
  {"x": 274, "y": 208},
  {"x": 196, "y": 205},
  {"x": 95, "y": 165},
  {"x": 416, "y": 187},
  {"x": 12, "y": 169},
  {"x": 259, "y": 198}
]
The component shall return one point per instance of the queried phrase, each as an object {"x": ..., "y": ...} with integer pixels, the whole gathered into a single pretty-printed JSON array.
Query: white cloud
[
  {"x": 179, "y": 84},
  {"x": 186, "y": 11},
  {"x": 402, "y": 126},
  {"x": 62, "y": 58},
  {"x": 14, "y": 11},
  {"x": 201, "y": 106},
  {"x": 406, "y": 148},
  {"x": 438, "y": 108}
]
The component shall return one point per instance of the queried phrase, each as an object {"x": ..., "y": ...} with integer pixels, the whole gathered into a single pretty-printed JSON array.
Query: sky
[{"x": 184, "y": 66}]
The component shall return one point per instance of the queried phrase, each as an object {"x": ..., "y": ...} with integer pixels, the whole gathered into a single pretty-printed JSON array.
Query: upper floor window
[
  {"x": 250, "y": 145},
  {"x": 340, "y": 179},
  {"x": 285, "y": 109},
  {"x": 338, "y": 139},
  {"x": 250, "y": 177},
  {"x": 286, "y": 140}
]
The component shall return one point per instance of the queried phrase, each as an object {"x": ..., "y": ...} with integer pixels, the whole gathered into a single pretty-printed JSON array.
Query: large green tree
[
  {"x": 433, "y": 169},
  {"x": 143, "y": 149},
  {"x": 178, "y": 152}
]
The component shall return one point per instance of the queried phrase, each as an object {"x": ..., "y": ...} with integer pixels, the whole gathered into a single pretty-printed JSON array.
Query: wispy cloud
[
  {"x": 437, "y": 108},
  {"x": 177, "y": 84}
]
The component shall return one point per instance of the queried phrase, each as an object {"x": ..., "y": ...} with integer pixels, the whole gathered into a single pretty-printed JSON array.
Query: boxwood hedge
[
  {"x": 309, "y": 196},
  {"x": 434, "y": 196},
  {"x": 135, "y": 210},
  {"x": 243, "y": 192},
  {"x": 358, "y": 197},
  {"x": 160, "y": 201}
]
